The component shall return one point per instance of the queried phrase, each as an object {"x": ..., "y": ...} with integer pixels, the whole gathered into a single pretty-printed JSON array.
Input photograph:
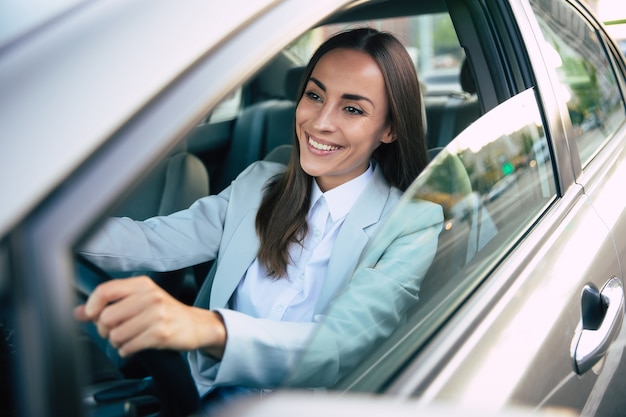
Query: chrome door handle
[{"x": 602, "y": 317}]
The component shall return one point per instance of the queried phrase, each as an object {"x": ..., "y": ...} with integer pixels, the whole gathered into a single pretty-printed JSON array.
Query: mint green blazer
[{"x": 370, "y": 296}]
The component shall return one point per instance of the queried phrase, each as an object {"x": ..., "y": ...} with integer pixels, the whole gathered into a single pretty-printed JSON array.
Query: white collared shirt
[{"x": 294, "y": 298}]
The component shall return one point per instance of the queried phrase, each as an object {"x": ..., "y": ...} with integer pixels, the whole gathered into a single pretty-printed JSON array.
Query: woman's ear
[{"x": 388, "y": 136}]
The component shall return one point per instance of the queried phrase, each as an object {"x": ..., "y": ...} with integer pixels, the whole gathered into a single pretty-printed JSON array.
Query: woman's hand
[{"x": 136, "y": 314}]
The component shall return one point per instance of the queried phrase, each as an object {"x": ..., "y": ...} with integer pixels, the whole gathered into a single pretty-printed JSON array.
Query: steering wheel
[{"x": 170, "y": 372}]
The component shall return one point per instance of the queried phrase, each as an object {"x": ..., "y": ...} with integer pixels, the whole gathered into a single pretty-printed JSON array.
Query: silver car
[{"x": 140, "y": 107}]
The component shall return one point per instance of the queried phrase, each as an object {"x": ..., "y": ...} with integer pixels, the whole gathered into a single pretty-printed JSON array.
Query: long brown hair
[{"x": 281, "y": 219}]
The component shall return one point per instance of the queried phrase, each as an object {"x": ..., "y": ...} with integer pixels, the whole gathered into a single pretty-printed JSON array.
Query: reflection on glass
[
  {"x": 587, "y": 80},
  {"x": 491, "y": 182}
]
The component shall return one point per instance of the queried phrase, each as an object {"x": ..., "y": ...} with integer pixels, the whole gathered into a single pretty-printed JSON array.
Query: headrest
[
  {"x": 293, "y": 80},
  {"x": 468, "y": 84}
]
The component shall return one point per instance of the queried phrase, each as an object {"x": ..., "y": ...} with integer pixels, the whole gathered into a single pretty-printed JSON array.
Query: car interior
[
  {"x": 494, "y": 178},
  {"x": 262, "y": 120},
  {"x": 256, "y": 122}
]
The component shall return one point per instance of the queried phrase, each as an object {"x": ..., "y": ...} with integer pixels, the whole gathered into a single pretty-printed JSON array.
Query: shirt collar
[{"x": 341, "y": 199}]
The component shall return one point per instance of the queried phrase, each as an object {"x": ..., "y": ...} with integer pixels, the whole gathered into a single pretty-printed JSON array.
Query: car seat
[
  {"x": 173, "y": 185},
  {"x": 259, "y": 129},
  {"x": 448, "y": 115}
]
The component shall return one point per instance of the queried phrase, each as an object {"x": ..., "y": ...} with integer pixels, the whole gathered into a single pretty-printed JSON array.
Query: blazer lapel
[
  {"x": 353, "y": 237},
  {"x": 241, "y": 250},
  {"x": 237, "y": 256}
]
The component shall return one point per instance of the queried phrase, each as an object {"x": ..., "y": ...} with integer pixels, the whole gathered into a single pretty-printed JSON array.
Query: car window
[
  {"x": 492, "y": 183},
  {"x": 587, "y": 79},
  {"x": 227, "y": 109}
]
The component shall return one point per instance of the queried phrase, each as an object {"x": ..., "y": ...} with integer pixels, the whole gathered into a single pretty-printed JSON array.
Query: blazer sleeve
[
  {"x": 263, "y": 353},
  {"x": 181, "y": 239},
  {"x": 162, "y": 243}
]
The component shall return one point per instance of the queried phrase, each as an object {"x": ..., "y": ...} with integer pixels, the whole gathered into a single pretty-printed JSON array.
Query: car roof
[
  {"x": 387, "y": 9},
  {"x": 113, "y": 52}
]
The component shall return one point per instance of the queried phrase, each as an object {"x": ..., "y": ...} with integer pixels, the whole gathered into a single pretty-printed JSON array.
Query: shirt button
[
  {"x": 317, "y": 233},
  {"x": 301, "y": 276},
  {"x": 280, "y": 307}
]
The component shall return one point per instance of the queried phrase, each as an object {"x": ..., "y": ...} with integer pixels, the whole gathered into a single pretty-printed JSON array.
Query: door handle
[{"x": 602, "y": 316}]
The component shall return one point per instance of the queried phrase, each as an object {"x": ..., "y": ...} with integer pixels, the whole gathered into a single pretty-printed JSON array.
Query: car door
[
  {"x": 500, "y": 310},
  {"x": 592, "y": 76},
  {"x": 524, "y": 301},
  {"x": 545, "y": 343}
]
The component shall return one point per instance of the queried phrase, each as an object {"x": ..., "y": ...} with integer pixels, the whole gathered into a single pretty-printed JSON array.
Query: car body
[
  {"x": 524, "y": 302},
  {"x": 622, "y": 45}
]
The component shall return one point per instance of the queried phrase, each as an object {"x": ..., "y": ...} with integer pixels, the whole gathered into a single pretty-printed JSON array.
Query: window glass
[
  {"x": 492, "y": 182},
  {"x": 227, "y": 109},
  {"x": 587, "y": 79},
  {"x": 616, "y": 63}
]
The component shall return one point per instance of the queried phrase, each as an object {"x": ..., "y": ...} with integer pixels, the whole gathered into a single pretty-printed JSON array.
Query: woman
[{"x": 285, "y": 242}]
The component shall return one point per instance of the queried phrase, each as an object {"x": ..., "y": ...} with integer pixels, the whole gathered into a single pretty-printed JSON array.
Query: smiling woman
[
  {"x": 342, "y": 117},
  {"x": 534, "y": 215},
  {"x": 394, "y": 136},
  {"x": 357, "y": 146}
]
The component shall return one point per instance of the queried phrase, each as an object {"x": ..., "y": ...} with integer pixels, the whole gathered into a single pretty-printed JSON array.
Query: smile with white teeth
[{"x": 321, "y": 146}]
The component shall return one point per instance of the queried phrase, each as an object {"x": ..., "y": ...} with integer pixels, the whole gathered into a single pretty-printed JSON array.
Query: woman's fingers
[
  {"x": 113, "y": 302},
  {"x": 136, "y": 314},
  {"x": 79, "y": 313},
  {"x": 146, "y": 319},
  {"x": 113, "y": 291},
  {"x": 141, "y": 297}
]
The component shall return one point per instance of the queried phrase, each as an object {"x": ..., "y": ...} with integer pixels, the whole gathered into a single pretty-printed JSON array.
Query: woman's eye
[
  {"x": 354, "y": 110},
  {"x": 313, "y": 96}
]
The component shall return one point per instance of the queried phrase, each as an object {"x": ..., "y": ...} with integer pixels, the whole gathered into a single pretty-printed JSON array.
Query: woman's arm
[
  {"x": 184, "y": 238},
  {"x": 162, "y": 243}
]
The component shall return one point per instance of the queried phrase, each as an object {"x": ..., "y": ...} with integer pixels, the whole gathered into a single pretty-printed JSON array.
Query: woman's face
[{"x": 342, "y": 117}]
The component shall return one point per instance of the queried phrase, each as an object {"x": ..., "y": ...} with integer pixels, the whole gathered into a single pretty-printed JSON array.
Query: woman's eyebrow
[
  {"x": 318, "y": 83},
  {"x": 347, "y": 96}
]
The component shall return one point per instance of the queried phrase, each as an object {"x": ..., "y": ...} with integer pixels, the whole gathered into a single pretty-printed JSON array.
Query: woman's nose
[{"x": 325, "y": 118}]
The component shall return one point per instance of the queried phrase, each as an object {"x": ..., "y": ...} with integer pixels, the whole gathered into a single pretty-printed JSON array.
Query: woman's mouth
[{"x": 320, "y": 146}]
